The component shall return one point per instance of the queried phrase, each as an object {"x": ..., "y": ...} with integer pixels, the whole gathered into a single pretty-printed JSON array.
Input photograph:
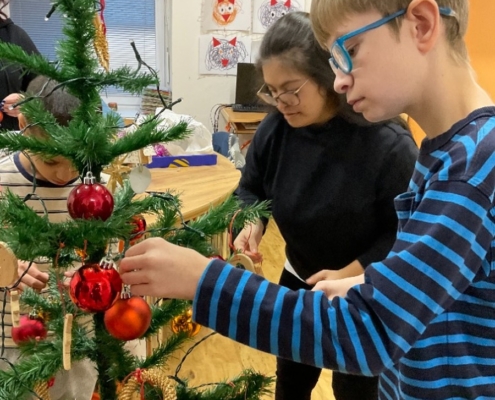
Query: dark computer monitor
[{"x": 247, "y": 84}]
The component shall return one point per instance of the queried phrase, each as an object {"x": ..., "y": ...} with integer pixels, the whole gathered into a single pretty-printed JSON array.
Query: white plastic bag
[{"x": 199, "y": 140}]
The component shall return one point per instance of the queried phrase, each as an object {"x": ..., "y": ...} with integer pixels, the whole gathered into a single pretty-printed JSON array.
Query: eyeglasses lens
[
  {"x": 340, "y": 58},
  {"x": 289, "y": 99},
  {"x": 267, "y": 98}
]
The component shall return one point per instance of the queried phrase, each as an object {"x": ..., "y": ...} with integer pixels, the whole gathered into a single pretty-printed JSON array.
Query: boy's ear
[
  {"x": 22, "y": 121},
  {"x": 426, "y": 23}
]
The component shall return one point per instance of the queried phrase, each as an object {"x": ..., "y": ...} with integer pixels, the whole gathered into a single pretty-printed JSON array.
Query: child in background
[
  {"x": 55, "y": 178},
  {"x": 421, "y": 319}
]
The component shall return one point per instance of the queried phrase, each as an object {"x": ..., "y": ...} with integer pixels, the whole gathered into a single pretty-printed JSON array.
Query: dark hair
[
  {"x": 58, "y": 102},
  {"x": 3, "y": 4},
  {"x": 292, "y": 41}
]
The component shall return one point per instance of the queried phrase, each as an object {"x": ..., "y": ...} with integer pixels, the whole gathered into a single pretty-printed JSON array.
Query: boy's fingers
[
  {"x": 134, "y": 277},
  {"x": 140, "y": 290},
  {"x": 129, "y": 263},
  {"x": 137, "y": 249},
  {"x": 33, "y": 282}
]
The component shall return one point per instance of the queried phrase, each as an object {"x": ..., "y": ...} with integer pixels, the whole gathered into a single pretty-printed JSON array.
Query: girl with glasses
[{"x": 331, "y": 178}]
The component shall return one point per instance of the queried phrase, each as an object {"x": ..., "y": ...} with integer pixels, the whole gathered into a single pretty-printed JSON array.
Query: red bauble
[
  {"x": 29, "y": 328},
  {"x": 1, "y": 116},
  {"x": 128, "y": 319},
  {"x": 90, "y": 200},
  {"x": 94, "y": 288},
  {"x": 139, "y": 224}
]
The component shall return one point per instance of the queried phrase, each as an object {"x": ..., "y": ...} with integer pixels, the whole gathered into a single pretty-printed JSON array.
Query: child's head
[
  {"x": 389, "y": 56},
  {"x": 326, "y": 16},
  {"x": 289, "y": 57},
  {"x": 57, "y": 170}
]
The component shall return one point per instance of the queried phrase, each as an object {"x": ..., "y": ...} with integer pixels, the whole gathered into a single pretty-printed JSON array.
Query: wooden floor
[{"x": 219, "y": 358}]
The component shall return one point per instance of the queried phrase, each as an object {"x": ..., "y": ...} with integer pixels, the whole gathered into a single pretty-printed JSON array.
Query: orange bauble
[{"x": 128, "y": 319}]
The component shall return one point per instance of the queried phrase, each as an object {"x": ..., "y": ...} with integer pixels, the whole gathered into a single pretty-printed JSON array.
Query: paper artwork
[
  {"x": 266, "y": 12},
  {"x": 219, "y": 55},
  {"x": 228, "y": 15}
]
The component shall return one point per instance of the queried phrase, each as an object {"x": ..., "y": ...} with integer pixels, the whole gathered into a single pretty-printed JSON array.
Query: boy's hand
[
  {"x": 157, "y": 268},
  {"x": 249, "y": 239},
  {"x": 34, "y": 278},
  {"x": 338, "y": 287},
  {"x": 8, "y": 102}
]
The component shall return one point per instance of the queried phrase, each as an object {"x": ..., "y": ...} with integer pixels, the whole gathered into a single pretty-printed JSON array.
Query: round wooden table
[{"x": 198, "y": 187}]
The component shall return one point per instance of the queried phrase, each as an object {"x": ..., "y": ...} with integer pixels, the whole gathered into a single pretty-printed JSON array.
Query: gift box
[{"x": 189, "y": 160}]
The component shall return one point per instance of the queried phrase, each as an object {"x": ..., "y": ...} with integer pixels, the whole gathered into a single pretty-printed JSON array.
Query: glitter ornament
[{"x": 184, "y": 323}]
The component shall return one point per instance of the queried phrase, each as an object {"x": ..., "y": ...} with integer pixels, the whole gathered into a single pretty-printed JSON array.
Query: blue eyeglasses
[{"x": 340, "y": 58}]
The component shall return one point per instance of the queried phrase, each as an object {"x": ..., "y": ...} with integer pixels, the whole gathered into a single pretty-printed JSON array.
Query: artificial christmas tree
[{"x": 100, "y": 219}]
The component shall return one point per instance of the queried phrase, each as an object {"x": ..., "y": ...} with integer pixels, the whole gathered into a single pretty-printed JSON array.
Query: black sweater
[
  {"x": 331, "y": 186},
  {"x": 12, "y": 79}
]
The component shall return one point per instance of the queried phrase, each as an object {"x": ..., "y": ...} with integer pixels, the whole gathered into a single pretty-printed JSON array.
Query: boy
[
  {"x": 422, "y": 319},
  {"x": 55, "y": 178}
]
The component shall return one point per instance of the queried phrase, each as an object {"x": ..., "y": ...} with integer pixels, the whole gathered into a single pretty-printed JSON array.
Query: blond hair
[{"x": 325, "y": 14}]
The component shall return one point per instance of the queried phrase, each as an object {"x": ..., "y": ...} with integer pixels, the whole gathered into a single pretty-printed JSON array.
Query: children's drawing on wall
[
  {"x": 229, "y": 15},
  {"x": 266, "y": 12},
  {"x": 219, "y": 55}
]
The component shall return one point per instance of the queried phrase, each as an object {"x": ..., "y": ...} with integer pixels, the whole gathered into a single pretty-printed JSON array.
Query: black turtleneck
[
  {"x": 12, "y": 79},
  {"x": 332, "y": 188}
]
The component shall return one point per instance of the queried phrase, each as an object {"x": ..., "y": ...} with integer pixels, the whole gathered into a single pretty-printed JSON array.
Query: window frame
[{"x": 128, "y": 104}]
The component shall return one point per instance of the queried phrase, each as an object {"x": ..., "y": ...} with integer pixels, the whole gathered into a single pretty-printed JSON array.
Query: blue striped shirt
[{"x": 424, "y": 320}]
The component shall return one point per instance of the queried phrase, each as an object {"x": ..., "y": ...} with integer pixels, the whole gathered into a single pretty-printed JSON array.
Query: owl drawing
[
  {"x": 271, "y": 10},
  {"x": 223, "y": 54},
  {"x": 225, "y": 11}
]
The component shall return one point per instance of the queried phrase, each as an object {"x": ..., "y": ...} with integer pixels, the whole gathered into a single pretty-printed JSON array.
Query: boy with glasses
[{"x": 422, "y": 318}]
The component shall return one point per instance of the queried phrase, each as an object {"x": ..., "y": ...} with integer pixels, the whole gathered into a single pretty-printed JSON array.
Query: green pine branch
[{"x": 90, "y": 142}]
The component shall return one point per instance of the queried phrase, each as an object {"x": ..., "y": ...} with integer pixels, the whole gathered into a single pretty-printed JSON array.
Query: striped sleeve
[{"x": 438, "y": 254}]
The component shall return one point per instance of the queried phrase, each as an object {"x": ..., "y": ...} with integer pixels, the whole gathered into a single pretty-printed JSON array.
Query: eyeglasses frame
[
  {"x": 339, "y": 42},
  {"x": 276, "y": 99}
]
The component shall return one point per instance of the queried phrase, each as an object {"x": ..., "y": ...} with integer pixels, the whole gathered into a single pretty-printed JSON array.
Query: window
[{"x": 144, "y": 25}]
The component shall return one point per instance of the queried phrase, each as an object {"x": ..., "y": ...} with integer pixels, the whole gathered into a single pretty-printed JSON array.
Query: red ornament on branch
[
  {"x": 29, "y": 328},
  {"x": 95, "y": 287},
  {"x": 139, "y": 224},
  {"x": 90, "y": 200},
  {"x": 128, "y": 319}
]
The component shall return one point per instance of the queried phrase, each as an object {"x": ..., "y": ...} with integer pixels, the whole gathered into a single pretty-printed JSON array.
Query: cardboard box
[{"x": 193, "y": 160}]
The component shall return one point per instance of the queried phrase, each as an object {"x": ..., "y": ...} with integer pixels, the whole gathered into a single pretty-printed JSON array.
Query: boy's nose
[
  {"x": 342, "y": 82},
  {"x": 66, "y": 174}
]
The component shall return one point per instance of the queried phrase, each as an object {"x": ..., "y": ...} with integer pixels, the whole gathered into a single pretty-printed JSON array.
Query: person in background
[
  {"x": 331, "y": 177},
  {"x": 55, "y": 179},
  {"x": 13, "y": 78},
  {"x": 422, "y": 318}
]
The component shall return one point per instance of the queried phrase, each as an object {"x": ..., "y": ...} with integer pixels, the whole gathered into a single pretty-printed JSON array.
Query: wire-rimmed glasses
[{"x": 289, "y": 98}]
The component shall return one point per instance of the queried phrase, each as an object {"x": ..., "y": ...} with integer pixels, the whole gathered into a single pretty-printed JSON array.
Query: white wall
[{"x": 199, "y": 93}]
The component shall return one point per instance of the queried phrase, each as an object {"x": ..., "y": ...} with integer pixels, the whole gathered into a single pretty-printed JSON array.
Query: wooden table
[{"x": 198, "y": 187}]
